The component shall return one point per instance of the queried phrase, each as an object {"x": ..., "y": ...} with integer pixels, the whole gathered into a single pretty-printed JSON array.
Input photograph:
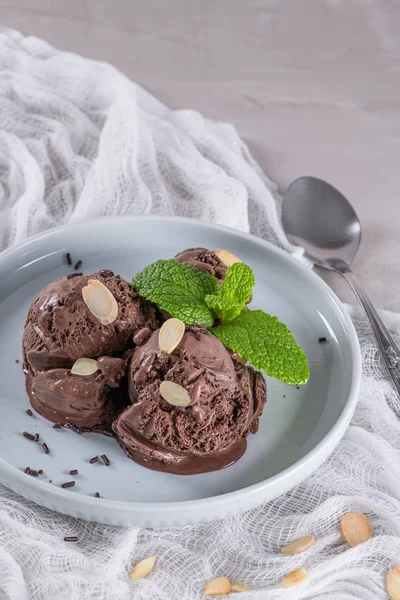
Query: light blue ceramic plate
[{"x": 299, "y": 427}]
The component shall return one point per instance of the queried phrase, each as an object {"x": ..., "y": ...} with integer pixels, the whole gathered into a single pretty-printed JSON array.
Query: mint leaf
[
  {"x": 179, "y": 289},
  {"x": 234, "y": 293},
  {"x": 225, "y": 308},
  {"x": 265, "y": 343},
  {"x": 238, "y": 283}
]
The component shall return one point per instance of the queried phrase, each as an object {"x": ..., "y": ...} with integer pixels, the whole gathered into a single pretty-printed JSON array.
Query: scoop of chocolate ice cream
[
  {"x": 60, "y": 329},
  {"x": 84, "y": 401},
  {"x": 226, "y": 401},
  {"x": 204, "y": 260}
]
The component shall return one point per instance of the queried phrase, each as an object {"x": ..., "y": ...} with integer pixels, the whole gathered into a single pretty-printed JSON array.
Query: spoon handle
[{"x": 386, "y": 344}]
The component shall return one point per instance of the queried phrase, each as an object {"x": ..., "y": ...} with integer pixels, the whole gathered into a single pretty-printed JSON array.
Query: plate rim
[{"x": 301, "y": 467}]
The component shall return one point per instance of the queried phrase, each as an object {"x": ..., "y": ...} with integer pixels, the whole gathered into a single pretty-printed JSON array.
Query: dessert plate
[{"x": 299, "y": 427}]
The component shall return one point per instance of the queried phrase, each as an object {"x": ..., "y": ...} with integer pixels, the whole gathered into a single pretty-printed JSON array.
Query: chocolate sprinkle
[
  {"x": 108, "y": 433},
  {"x": 29, "y": 412},
  {"x": 29, "y": 436},
  {"x": 71, "y": 538},
  {"x": 17, "y": 360},
  {"x": 69, "y": 259},
  {"x": 27, "y": 470},
  {"x": 94, "y": 459},
  {"x": 57, "y": 426},
  {"x": 37, "y": 437},
  {"x": 74, "y": 472},
  {"x": 97, "y": 495},
  {"x": 34, "y": 473},
  {"x": 68, "y": 484},
  {"x": 86, "y": 429},
  {"x": 46, "y": 448},
  {"x": 322, "y": 339},
  {"x": 40, "y": 471},
  {"x": 71, "y": 275},
  {"x": 106, "y": 460},
  {"x": 77, "y": 430},
  {"x": 78, "y": 265}
]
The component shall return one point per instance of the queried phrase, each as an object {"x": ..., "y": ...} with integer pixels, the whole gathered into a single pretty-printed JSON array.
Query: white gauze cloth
[{"x": 78, "y": 140}]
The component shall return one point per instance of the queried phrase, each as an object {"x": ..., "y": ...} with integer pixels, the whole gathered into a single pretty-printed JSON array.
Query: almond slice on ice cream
[
  {"x": 356, "y": 528},
  {"x": 393, "y": 583},
  {"x": 84, "y": 366},
  {"x": 240, "y": 588},
  {"x": 143, "y": 568},
  {"x": 174, "y": 393},
  {"x": 171, "y": 333},
  {"x": 227, "y": 257},
  {"x": 100, "y": 301},
  {"x": 220, "y": 586},
  {"x": 295, "y": 577},
  {"x": 299, "y": 545}
]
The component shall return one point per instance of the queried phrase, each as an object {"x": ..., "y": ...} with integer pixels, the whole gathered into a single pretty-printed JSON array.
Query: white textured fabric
[{"x": 78, "y": 140}]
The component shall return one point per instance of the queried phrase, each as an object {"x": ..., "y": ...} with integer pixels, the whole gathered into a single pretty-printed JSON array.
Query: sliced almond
[
  {"x": 393, "y": 583},
  {"x": 171, "y": 334},
  {"x": 220, "y": 586},
  {"x": 143, "y": 568},
  {"x": 240, "y": 588},
  {"x": 84, "y": 366},
  {"x": 356, "y": 528},
  {"x": 174, "y": 393},
  {"x": 295, "y": 577},
  {"x": 227, "y": 257},
  {"x": 100, "y": 301},
  {"x": 299, "y": 545}
]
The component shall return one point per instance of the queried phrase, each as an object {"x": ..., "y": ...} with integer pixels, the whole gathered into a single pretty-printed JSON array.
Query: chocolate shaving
[{"x": 105, "y": 460}]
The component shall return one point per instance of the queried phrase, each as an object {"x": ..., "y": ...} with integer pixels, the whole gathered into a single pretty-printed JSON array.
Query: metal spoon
[{"x": 316, "y": 216}]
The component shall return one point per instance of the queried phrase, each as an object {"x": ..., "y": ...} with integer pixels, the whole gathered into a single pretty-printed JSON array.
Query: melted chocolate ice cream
[
  {"x": 227, "y": 399},
  {"x": 60, "y": 328}
]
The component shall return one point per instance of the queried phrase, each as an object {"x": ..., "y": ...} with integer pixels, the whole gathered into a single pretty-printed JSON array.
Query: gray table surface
[{"x": 313, "y": 86}]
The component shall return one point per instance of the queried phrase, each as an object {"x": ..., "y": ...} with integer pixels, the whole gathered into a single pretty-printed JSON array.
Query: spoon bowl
[{"x": 316, "y": 216}]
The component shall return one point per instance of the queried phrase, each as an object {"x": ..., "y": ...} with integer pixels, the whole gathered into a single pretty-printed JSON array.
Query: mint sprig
[
  {"x": 196, "y": 298},
  {"x": 234, "y": 293}
]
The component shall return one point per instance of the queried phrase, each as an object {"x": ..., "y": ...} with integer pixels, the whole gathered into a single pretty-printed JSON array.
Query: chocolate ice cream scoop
[
  {"x": 226, "y": 399},
  {"x": 93, "y": 317},
  {"x": 60, "y": 328},
  {"x": 204, "y": 260}
]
